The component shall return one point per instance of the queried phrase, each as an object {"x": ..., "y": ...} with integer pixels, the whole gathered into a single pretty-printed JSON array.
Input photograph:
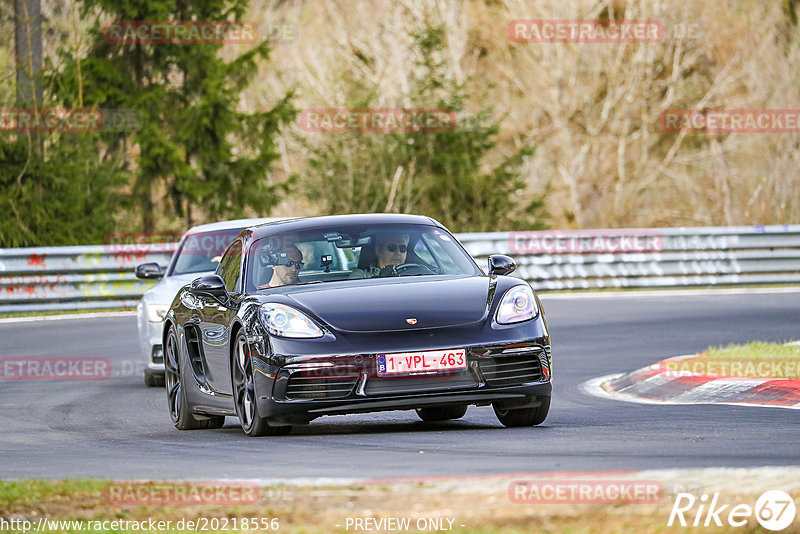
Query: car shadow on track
[{"x": 370, "y": 427}]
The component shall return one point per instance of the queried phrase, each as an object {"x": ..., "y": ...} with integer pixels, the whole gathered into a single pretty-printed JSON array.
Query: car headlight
[
  {"x": 518, "y": 305},
  {"x": 156, "y": 312},
  {"x": 285, "y": 321}
]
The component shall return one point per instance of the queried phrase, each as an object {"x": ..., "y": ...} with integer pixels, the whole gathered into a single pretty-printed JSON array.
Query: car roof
[
  {"x": 237, "y": 223},
  {"x": 307, "y": 223}
]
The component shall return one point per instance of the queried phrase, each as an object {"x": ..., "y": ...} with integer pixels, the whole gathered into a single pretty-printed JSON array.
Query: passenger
[
  {"x": 286, "y": 275},
  {"x": 390, "y": 251}
]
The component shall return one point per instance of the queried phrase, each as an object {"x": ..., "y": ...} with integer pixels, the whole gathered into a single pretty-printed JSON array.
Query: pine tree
[
  {"x": 193, "y": 143},
  {"x": 435, "y": 173}
]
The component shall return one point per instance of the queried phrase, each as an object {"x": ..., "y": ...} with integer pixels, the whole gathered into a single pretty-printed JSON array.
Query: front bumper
[{"x": 308, "y": 387}]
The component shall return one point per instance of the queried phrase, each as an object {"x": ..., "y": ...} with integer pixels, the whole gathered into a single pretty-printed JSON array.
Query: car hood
[
  {"x": 390, "y": 305},
  {"x": 165, "y": 290}
]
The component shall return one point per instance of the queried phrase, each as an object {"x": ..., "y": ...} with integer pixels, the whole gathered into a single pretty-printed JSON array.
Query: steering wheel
[{"x": 409, "y": 269}]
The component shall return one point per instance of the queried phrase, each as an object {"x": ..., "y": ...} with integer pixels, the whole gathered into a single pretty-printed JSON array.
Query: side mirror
[
  {"x": 148, "y": 271},
  {"x": 500, "y": 265},
  {"x": 210, "y": 284}
]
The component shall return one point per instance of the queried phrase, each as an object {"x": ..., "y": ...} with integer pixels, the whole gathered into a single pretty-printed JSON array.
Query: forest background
[{"x": 558, "y": 135}]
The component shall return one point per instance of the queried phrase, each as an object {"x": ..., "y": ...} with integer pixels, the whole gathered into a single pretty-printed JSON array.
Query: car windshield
[
  {"x": 201, "y": 251},
  {"x": 355, "y": 253}
]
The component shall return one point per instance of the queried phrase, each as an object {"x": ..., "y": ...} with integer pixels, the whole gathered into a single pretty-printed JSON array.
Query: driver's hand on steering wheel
[{"x": 389, "y": 270}]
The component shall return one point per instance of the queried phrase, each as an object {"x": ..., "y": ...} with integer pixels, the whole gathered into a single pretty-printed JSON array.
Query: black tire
[
  {"x": 153, "y": 380},
  {"x": 179, "y": 409},
  {"x": 441, "y": 413},
  {"x": 523, "y": 416},
  {"x": 244, "y": 394}
]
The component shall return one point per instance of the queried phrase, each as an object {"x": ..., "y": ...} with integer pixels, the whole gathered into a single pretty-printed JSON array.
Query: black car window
[
  {"x": 231, "y": 265},
  {"x": 437, "y": 251},
  {"x": 423, "y": 253},
  {"x": 313, "y": 253},
  {"x": 335, "y": 254}
]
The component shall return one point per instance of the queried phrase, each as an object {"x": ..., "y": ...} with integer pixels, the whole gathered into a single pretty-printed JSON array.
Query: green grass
[
  {"x": 758, "y": 359},
  {"x": 18, "y": 496},
  {"x": 319, "y": 510},
  {"x": 755, "y": 351}
]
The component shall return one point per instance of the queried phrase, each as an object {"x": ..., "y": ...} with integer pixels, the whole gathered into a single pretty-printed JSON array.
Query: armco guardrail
[
  {"x": 72, "y": 278},
  {"x": 653, "y": 257},
  {"x": 36, "y": 279}
]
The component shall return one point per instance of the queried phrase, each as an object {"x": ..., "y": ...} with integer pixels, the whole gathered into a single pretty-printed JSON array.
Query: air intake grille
[
  {"x": 420, "y": 383},
  {"x": 511, "y": 370},
  {"x": 314, "y": 387}
]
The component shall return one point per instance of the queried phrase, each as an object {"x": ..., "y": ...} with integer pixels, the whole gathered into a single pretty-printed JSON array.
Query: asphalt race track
[{"x": 119, "y": 428}]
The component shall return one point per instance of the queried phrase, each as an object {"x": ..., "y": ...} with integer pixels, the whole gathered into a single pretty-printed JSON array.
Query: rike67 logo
[{"x": 774, "y": 510}]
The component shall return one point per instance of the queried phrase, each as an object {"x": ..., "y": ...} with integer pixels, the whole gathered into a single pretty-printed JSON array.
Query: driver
[
  {"x": 391, "y": 250},
  {"x": 286, "y": 275}
]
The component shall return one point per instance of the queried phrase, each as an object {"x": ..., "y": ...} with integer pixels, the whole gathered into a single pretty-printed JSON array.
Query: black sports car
[{"x": 354, "y": 313}]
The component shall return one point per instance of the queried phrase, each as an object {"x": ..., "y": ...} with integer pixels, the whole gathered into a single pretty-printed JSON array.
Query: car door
[{"x": 216, "y": 320}]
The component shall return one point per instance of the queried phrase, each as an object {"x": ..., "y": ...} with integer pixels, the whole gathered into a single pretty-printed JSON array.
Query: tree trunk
[
  {"x": 28, "y": 43},
  {"x": 28, "y": 50}
]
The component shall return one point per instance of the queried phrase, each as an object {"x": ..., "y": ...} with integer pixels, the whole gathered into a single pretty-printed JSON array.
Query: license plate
[{"x": 421, "y": 362}]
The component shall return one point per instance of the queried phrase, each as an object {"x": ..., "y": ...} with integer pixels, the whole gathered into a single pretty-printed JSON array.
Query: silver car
[{"x": 197, "y": 254}]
